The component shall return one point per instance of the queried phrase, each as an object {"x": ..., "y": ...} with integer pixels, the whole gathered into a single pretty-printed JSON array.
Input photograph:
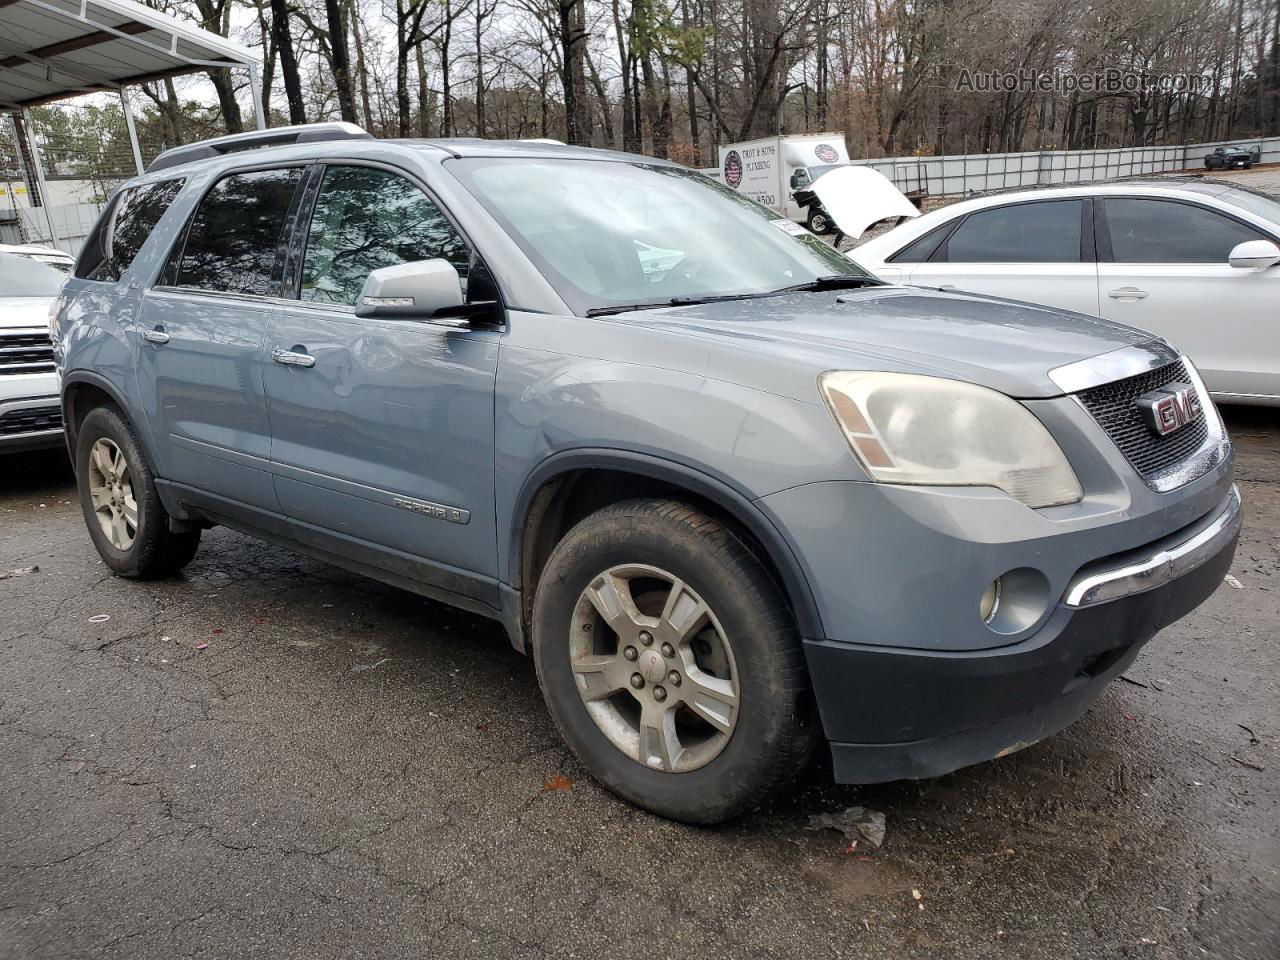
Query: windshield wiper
[
  {"x": 674, "y": 302},
  {"x": 833, "y": 282},
  {"x": 839, "y": 281},
  {"x": 626, "y": 308}
]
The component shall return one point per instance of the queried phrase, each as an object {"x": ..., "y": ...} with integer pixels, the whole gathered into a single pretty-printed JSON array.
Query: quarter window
[
  {"x": 233, "y": 238},
  {"x": 1161, "y": 231},
  {"x": 1045, "y": 232},
  {"x": 366, "y": 219},
  {"x": 921, "y": 249},
  {"x": 120, "y": 234}
]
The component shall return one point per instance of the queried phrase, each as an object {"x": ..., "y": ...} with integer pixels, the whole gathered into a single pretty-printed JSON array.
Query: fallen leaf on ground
[
  {"x": 558, "y": 782},
  {"x": 856, "y": 823},
  {"x": 1248, "y": 763}
]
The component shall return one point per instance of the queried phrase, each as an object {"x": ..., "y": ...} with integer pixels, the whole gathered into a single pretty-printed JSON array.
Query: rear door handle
[
  {"x": 293, "y": 358},
  {"x": 157, "y": 336},
  {"x": 1127, "y": 293}
]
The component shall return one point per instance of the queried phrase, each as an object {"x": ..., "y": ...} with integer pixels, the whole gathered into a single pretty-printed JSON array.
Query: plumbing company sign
[{"x": 752, "y": 169}]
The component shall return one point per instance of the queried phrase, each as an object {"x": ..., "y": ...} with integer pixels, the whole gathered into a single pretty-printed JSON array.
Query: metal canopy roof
[{"x": 51, "y": 49}]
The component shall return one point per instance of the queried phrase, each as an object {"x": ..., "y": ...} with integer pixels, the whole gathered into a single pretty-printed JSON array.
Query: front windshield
[
  {"x": 816, "y": 172},
  {"x": 25, "y": 277},
  {"x": 1255, "y": 201},
  {"x": 608, "y": 234}
]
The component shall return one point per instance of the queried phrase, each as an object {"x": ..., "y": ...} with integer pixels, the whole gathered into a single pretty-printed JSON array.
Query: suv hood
[
  {"x": 20, "y": 312},
  {"x": 1007, "y": 345}
]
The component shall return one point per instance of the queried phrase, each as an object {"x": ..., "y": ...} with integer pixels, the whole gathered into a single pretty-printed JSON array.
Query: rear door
[
  {"x": 203, "y": 328},
  {"x": 382, "y": 442},
  {"x": 1164, "y": 268},
  {"x": 1040, "y": 251}
]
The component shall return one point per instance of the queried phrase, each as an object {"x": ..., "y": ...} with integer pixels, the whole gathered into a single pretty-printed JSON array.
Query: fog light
[{"x": 990, "y": 601}]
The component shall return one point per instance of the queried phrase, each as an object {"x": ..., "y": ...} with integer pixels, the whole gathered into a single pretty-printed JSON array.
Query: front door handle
[
  {"x": 157, "y": 336},
  {"x": 293, "y": 358},
  {"x": 1127, "y": 294}
]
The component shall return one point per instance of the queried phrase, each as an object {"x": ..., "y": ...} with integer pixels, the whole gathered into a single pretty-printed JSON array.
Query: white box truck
[{"x": 808, "y": 179}]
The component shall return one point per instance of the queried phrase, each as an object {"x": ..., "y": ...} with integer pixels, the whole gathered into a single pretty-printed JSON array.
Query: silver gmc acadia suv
[{"x": 733, "y": 492}]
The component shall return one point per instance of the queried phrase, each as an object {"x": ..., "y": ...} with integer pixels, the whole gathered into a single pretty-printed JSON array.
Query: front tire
[
  {"x": 819, "y": 222},
  {"x": 670, "y": 661},
  {"x": 127, "y": 522}
]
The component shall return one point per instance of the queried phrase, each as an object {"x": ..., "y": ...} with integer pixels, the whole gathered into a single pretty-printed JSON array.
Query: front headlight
[{"x": 907, "y": 428}]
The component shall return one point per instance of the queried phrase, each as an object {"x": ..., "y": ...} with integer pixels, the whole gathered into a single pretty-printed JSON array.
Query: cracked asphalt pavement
[{"x": 347, "y": 770}]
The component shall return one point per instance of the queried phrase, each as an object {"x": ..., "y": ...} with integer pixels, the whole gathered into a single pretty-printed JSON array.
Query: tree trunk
[
  {"x": 402, "y": 70},
  {"x": 424, "y": 115},
  {"x": 480, "y": 17},
  {"x": 226, "y": 93},
  {"x": 288, "y": 61},
  {"x": 446, "y": 84},
  {"x": 362, "y": 71},
  {"x": 341, "y": 60}
]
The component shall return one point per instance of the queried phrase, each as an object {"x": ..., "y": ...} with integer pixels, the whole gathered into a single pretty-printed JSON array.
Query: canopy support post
[
  {"x": 255, "y": 89},
  {"x": 36, "y": 156},
  {"x": 133, "y": 131}
]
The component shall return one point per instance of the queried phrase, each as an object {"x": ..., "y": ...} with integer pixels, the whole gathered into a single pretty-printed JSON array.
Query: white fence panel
[{"x": 982, "y": 172}]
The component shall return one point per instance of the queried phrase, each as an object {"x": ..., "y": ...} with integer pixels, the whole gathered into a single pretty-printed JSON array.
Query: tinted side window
[
  {"x": 1160, "y": 231},
  {"x": 1045, "y": 232},
  {"x": 920, "y": 249},
  {"x": 124, "y": 228},
  {"x": 365, "y": 219},
  {"x": 232, "y": 241}
]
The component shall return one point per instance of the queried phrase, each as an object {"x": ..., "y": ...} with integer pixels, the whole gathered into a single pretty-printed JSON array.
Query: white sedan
[{"x": 1191, "y": 261}]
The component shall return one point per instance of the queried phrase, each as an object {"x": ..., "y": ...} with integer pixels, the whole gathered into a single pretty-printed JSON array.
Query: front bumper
[
  {"x": 30, "y": 423},
  {"x": 907, "y": 713}
]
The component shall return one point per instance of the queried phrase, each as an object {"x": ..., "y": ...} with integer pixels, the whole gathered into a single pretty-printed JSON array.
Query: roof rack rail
[{"x": 276, "y": 137}]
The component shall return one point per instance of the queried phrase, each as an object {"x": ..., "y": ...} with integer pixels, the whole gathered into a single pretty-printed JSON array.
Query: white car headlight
[{"x": 914, "y": 429}]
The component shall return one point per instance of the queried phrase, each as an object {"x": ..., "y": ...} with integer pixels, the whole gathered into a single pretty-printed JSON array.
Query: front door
[
  {"x": 1164, "y": 268},
  {"x": 382, "y": 430},
  {"x": 1039, "y": 251},
  {"x": 204, "y": 327}
]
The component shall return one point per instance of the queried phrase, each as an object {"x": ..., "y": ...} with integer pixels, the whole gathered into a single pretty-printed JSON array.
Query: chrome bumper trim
[{"x": 1160, "y": 566}]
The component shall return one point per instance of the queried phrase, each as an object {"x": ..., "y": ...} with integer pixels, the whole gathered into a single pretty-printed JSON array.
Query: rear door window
[
  {"x": 1044, "y": 232},
  {"x": 121, "y": 232},
  {"x": 1163, "y": 231},
  {"x": 235, "y": 235},
  {"x": 365, "y": 219}
]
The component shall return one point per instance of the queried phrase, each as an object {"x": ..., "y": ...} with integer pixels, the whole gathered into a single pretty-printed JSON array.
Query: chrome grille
[
  {"x": 25, "y": 353},
  {"x": 1112, "y": 406},
  {"x": 30, "y": 420}
]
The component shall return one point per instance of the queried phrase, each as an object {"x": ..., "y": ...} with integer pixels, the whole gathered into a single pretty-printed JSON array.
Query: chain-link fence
[{"x": 85, "y": 150}]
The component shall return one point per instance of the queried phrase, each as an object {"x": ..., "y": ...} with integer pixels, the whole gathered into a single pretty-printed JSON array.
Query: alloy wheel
[
  {"x": 654, "y": 668},
  {"x": 111, "y": 492}
]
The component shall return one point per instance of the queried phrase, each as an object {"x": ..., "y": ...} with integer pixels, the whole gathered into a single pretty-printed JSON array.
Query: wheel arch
[
  {"x": 568, "y": 485},
  {"x": 82, "y": 390}
]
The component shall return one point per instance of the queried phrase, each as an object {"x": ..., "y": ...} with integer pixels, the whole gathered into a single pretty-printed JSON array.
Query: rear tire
[
  {"x": 691, "y": 699},
  {"x": 127, "y": 522}
]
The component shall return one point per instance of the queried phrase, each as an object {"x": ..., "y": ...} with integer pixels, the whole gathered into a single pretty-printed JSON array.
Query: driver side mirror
[
  {"x": 421, "y": 290},
  {"x": 1254, "y": 255}
]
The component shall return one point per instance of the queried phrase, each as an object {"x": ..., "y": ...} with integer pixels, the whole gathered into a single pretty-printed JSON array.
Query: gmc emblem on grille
[{"x": 1170, "y": 408}]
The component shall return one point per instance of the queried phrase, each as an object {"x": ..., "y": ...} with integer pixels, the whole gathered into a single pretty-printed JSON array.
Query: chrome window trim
[
  {"x": 173, "y": 292},
  {"x": 1109, "y": 367},
  {"x": 1160, "y": 566}
]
